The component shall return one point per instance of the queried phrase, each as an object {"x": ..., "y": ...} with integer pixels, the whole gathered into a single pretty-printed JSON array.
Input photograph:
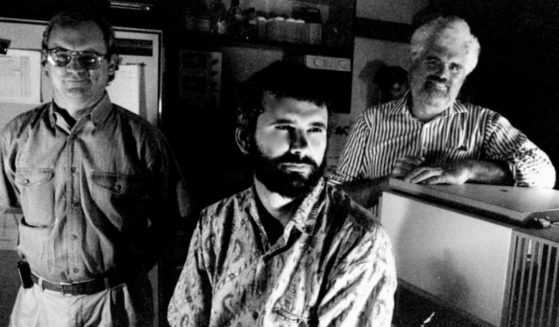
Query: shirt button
[
  {"x": 76, "y": 270},
  {"x": 74, "y": 237},
  {"x": 117, "y": 187},
  {"x": 255, "y": 315},
  {"x": 73, "y": 169}
]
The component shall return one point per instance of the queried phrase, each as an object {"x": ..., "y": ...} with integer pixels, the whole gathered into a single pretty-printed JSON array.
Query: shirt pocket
[
  {"x": 123, "y": 199},
  {"x": 36, "y": 195},
  {"x": 287, "y": 318}
]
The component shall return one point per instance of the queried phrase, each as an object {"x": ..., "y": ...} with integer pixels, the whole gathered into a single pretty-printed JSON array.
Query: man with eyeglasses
[{"x": 98, "y": 188}]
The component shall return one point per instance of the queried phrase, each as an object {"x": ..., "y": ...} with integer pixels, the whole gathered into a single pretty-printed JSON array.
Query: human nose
[
  {"x": 299, "y": 141},
  {"x": 74, "y": 64},
  {"x": 443, "y": 71}
]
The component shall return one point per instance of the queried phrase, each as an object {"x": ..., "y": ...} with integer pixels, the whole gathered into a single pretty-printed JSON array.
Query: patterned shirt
[
  {"x": 386, "y": 133},
  {"x": 332, "y": 266},
  {"x": 97, "y": 197}
]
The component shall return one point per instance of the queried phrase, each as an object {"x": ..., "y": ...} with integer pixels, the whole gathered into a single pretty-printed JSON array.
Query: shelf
[{"x": 202, "y": 40}]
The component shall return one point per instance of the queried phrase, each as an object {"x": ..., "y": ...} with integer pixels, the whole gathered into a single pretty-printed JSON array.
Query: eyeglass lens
[{"x": 86, "y": 59}]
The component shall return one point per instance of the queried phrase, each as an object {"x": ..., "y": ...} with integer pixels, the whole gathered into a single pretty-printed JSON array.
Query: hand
[
  {"x": 453, "y": 173},
  {"x": 405, "y": 165}
]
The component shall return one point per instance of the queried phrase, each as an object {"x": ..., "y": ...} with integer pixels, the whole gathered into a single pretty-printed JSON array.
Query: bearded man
[
  {"x": 429, "y": 136},
  {"x": 291, "y": 250}
]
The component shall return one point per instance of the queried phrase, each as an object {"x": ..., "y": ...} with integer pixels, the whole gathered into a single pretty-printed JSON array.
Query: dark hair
[
  {"x": 74, "y": 18},
  {"x": 283, "y": 79}
]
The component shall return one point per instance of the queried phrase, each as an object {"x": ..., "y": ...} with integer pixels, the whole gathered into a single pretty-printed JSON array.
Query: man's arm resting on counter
[{"x": 459, "y": 172}]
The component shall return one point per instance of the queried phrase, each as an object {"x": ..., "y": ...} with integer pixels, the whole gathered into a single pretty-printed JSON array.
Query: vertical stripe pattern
[{"x": 385, "y": 133}]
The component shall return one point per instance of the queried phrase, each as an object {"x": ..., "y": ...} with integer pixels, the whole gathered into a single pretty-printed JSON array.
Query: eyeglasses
[{"x": 62, "y": 58}]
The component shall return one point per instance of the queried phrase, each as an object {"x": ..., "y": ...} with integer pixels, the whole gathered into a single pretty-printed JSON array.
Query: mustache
[
  {"x": 437, "y": 79},
  {"x": 293, "y": 158}
]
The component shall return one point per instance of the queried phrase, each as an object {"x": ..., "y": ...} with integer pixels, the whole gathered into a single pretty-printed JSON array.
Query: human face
[
  {"x": 437, "y": 76},
  {"x": 76, "y": 87},
  {"x": 289, "y": 145}
]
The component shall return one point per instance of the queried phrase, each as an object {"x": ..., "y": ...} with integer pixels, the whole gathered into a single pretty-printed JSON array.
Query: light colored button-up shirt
[
  {"x": 388, "y": 132},
  {"x": 97, "y": 197},
  {"x": 332, "y": 266}
]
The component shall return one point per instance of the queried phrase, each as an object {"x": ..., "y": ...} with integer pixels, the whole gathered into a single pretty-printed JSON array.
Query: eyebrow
[
  {"x": 89, "y": 50},
  {"x": 319, "y": 124},
  {"x": 291, "y": 121}
]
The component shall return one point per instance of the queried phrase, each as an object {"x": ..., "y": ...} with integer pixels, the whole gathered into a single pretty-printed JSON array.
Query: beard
[
  {"x": 434, "y": 96},
  {"x": 427, "y": 92},
  {"x": 290, "y": 184}
]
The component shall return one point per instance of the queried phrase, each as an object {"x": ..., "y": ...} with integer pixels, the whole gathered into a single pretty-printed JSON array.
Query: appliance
[
  {"x": 470, "y": 258},
  {"x": 532, "y": 281},
  {"x": 336, "y": 74}
]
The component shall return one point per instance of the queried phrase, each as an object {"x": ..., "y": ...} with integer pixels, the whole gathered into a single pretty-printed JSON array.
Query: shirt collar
[
  {"x": 305, "y": 215},
  {"x": 99, "y": 112},
  {"x": 403, "y": 106}
]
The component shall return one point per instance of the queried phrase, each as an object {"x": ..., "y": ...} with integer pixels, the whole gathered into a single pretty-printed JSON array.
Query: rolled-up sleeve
[{"x": 529, "y": 165}]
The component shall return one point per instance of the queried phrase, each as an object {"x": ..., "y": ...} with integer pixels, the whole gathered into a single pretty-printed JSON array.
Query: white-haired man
[{"x": 429, "y": 137}]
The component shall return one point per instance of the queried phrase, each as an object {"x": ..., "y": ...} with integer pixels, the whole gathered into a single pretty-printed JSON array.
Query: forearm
[{"x": 489, "y": 172}]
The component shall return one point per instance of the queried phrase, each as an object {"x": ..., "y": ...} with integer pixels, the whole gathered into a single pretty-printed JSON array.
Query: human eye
[
  {"x": 88, "y": 58},
  {"x": 431, "y": 60},
  {"x": 455, "y": 68},
  {"x": 61, "y": 57},
  {"x": 316, "y": 129},
  {"x": 283, "y": 127}
]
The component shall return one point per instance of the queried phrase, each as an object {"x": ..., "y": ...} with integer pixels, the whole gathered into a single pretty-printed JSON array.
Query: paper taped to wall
[
  {"x": 126, "y": 89},
  {"x": 20, "y": 77}
]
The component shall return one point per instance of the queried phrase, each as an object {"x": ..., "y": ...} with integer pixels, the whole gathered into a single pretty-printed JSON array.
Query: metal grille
[{"x": 533, "y": 284}]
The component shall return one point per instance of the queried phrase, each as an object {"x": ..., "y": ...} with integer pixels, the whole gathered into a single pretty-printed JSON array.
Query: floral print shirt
[{"x": 333, "y": 266}]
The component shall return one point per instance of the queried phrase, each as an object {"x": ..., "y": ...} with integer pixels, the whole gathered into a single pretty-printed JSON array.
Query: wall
[
  {"x": 517, "y": 74},
  {"x": 370, "y": 53},
  {"x": 398, "y": 11}
]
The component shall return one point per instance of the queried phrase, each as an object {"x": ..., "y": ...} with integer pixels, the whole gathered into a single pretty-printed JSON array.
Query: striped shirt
[{"x": 388, "y": 132}]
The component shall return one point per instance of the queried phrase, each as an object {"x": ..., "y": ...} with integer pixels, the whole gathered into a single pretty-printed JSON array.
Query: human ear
[
  {"x": 242, "y": 140},
  {"x": 113, "y": 63},
  {"x": 46, "y": 69}
]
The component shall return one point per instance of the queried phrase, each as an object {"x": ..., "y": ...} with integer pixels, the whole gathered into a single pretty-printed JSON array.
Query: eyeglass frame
[{"x": 75, "y": 55}]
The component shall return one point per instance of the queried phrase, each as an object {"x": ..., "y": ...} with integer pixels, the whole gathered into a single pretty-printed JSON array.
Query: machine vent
[{"x": 533, "y": 284}]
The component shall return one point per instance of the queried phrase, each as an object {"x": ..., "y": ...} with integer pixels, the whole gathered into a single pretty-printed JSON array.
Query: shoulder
[
  {"x": 134, "y": 127},
  {"x": 383, "y": 111},
  {"x": 474, "y": 110},
  {"x": 23, "y": 121},
  {"x": 226, "y": 209},
  {"x": 134, "y": 121}
]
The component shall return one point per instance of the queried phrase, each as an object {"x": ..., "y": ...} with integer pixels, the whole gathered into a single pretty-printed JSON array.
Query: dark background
[{"x": 517, "y": 74}]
